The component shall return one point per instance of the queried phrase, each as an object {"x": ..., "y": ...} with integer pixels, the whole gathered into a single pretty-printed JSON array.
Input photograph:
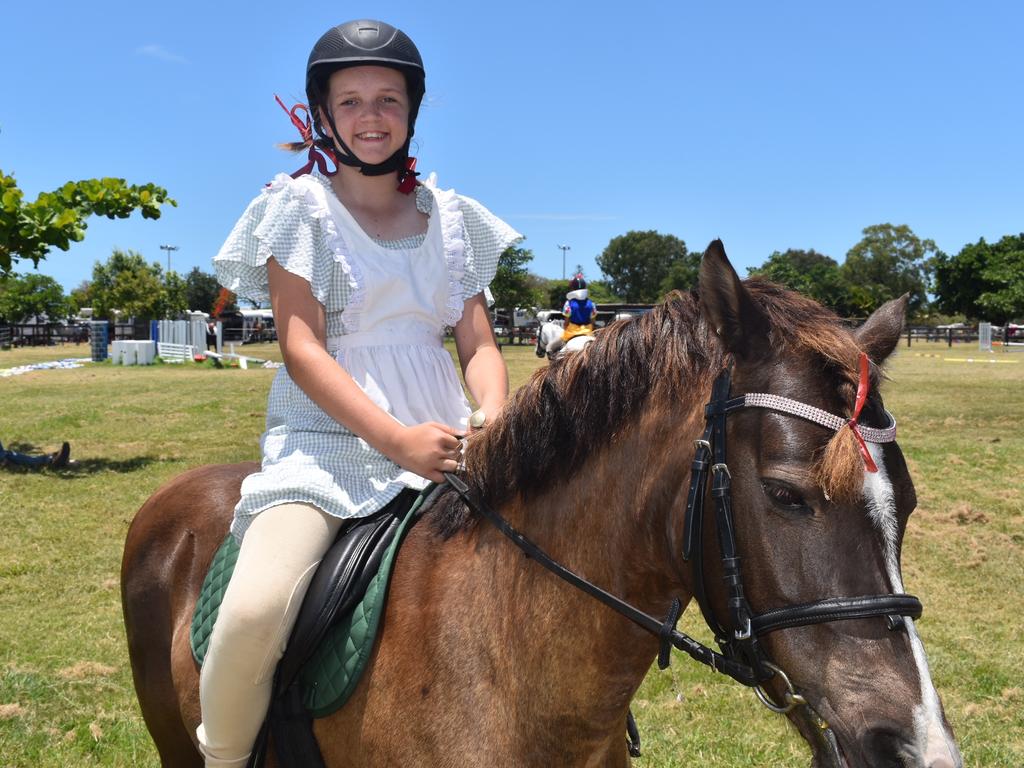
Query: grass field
[{"x": 66, "y": 697}]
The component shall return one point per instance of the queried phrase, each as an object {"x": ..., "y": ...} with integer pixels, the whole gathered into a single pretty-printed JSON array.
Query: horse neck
[{"x": 614, "y": 522}]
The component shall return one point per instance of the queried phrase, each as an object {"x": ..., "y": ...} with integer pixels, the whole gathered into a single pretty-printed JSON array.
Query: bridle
[
  {"x": 739, "y": 641},
  {"x": 742, "y": 657}
]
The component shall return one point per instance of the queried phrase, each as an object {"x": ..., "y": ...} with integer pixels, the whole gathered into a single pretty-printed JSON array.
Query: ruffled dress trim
[
  {"x": 288, "y": 220},
  {"x": 453, "y": 239},
  {"x": 453, "y": 233},
  {"x": 291, "y": 220},
  {"x": 487, "y": 237},
  {"x": 351, "y": 314}
]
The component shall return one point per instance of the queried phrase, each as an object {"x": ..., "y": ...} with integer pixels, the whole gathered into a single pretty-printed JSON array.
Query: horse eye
[{"x": 784, "y": 497}]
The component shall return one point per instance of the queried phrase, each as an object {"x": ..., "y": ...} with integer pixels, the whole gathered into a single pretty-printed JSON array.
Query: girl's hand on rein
[{"x": 428, "y": 450}]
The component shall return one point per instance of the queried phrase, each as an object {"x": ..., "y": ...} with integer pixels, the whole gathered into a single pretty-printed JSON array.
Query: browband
[{"x": 818, "y": 416}]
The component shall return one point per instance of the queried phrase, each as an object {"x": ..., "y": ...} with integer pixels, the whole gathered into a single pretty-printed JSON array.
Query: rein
[
  {"x": 742, "y": 658},
  {"x": 665, "y": 630}
]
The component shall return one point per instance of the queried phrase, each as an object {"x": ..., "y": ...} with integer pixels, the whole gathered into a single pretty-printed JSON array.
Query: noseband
[{"x": 742, "y": 657}]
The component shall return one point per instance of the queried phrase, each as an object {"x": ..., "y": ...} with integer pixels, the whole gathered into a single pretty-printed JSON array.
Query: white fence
[
  {"x": 190, "y": 332},
  {"x": 985, "y": 337}
]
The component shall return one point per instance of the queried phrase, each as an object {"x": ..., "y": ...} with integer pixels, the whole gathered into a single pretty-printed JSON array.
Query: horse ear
[
  {"x": 881, "y": 332},
  {"x": 729, "y": 308}
]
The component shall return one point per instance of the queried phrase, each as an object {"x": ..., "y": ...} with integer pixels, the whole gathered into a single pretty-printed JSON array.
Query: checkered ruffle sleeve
[
  {"x": 281, "y": 222},
  {"x": 487, "y": 237}
]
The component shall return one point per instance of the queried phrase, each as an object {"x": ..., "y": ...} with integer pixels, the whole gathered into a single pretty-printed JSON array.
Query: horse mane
[{"x": 569, "y": 409}]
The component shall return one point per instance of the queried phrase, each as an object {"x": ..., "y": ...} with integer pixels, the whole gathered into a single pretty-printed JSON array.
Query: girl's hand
[{"x": 428, "y": 450}]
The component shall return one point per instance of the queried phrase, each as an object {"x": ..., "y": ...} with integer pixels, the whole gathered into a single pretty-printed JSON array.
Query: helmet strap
[
  {"x": 399, "y": 161},
  {"x": 349, "y": 158}
]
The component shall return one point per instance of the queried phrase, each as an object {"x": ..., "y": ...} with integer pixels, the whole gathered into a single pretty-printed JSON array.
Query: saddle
[{"x": 334, "y": 633}]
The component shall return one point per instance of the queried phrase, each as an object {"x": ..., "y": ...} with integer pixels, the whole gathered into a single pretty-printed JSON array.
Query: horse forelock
[
  {"x": 800, "y": 325},
  {"x": 666, "y": 358}
]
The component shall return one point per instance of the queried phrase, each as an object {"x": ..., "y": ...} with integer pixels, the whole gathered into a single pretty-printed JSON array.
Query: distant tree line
[
  {"x": 982, "y": 282},
  {"x": 124, "y": 286}
]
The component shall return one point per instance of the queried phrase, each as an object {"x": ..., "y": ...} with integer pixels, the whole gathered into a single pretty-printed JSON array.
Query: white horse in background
[
  {"x": 549, "y": 337},
  {"x": 549, "y": 340}
]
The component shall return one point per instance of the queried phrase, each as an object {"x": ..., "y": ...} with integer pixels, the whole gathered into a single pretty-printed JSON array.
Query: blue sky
[{"x": 770, "y": 125}]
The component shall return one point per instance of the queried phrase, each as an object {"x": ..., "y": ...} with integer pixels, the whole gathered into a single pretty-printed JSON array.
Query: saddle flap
[{"x": 340, "y": 580}]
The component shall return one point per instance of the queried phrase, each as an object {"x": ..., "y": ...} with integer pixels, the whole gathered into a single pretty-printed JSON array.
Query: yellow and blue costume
[{"x": 579, "y": 311}]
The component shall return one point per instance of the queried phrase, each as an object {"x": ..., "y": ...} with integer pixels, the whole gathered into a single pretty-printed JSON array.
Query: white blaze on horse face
[{"x": 934, "y": 741}]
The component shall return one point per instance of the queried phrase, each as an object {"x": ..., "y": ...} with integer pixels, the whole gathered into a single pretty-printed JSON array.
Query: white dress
[{"x": 386, "y": 309}]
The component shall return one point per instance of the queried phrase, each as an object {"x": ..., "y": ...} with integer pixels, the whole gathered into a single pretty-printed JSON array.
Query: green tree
[
  {"x": 601, "y": 292},
  {"x": 56, "y": 219},
  {"x": 201, "y": 290},
  {"x": 639, "y": 265},
  {"x": 682, "y": 274},
  {"x": 810, "y": 273},
  {"x": 174, "y": 298},
  {"x": 80, "y": 297},
  {"x": 512, "y": 286},
  {"x": 985, "y": 281},
  {"x": 888, "y": 262},
  {"x": 31, "y": 296},
  {"x": 126, "y": 283}
]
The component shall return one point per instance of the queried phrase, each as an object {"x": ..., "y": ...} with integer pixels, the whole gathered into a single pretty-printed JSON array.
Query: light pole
[
  {"x": 564, "y": 249},
  {"x": 168, "y": 248}
]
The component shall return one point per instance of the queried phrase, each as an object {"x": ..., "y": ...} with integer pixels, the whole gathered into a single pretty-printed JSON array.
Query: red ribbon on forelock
[
  {"x": 318, "y": 156},
  {"x": 862, "y": 395}
]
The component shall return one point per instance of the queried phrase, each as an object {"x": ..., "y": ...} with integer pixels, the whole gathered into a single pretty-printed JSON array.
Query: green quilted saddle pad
[
  {"x": 210, "y": 596},
  {"x": 331, "y": 674}
]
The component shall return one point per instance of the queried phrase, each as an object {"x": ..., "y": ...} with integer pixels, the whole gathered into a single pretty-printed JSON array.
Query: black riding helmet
[{"x": 364, "y": 43}]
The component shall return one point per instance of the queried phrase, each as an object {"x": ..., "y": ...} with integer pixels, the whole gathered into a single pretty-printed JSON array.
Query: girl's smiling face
[{"x": 370, "y": 107}]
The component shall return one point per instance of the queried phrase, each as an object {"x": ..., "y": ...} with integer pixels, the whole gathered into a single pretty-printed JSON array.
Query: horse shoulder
[{"x": 433, "y": 669}]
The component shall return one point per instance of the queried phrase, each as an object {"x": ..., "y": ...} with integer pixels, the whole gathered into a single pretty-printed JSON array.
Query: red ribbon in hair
[
  {"x": 862, "y": 395},
  {"x": 407, "y": 178},
  {"x": 318, "y": 156}
]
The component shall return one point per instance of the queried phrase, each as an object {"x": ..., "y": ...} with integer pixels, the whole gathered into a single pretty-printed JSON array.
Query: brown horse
[{"x": 487, "y": 659}]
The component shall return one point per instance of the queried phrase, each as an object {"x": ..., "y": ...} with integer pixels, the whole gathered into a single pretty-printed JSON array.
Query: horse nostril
[{"x": 885, "y": 747}]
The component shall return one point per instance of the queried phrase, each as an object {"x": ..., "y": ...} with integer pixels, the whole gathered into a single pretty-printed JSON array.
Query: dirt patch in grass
[
  {"x": 965, "y": 514},
  {"x": 12, "y": 711},
  {"x": 85, "y": 669}
]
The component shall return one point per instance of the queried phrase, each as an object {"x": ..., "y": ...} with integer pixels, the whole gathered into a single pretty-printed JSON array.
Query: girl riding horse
[
  {"x": 485, "y": 658},
  {"x": 579, "y": 311},
  {"x": 364, "y": 268}
]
